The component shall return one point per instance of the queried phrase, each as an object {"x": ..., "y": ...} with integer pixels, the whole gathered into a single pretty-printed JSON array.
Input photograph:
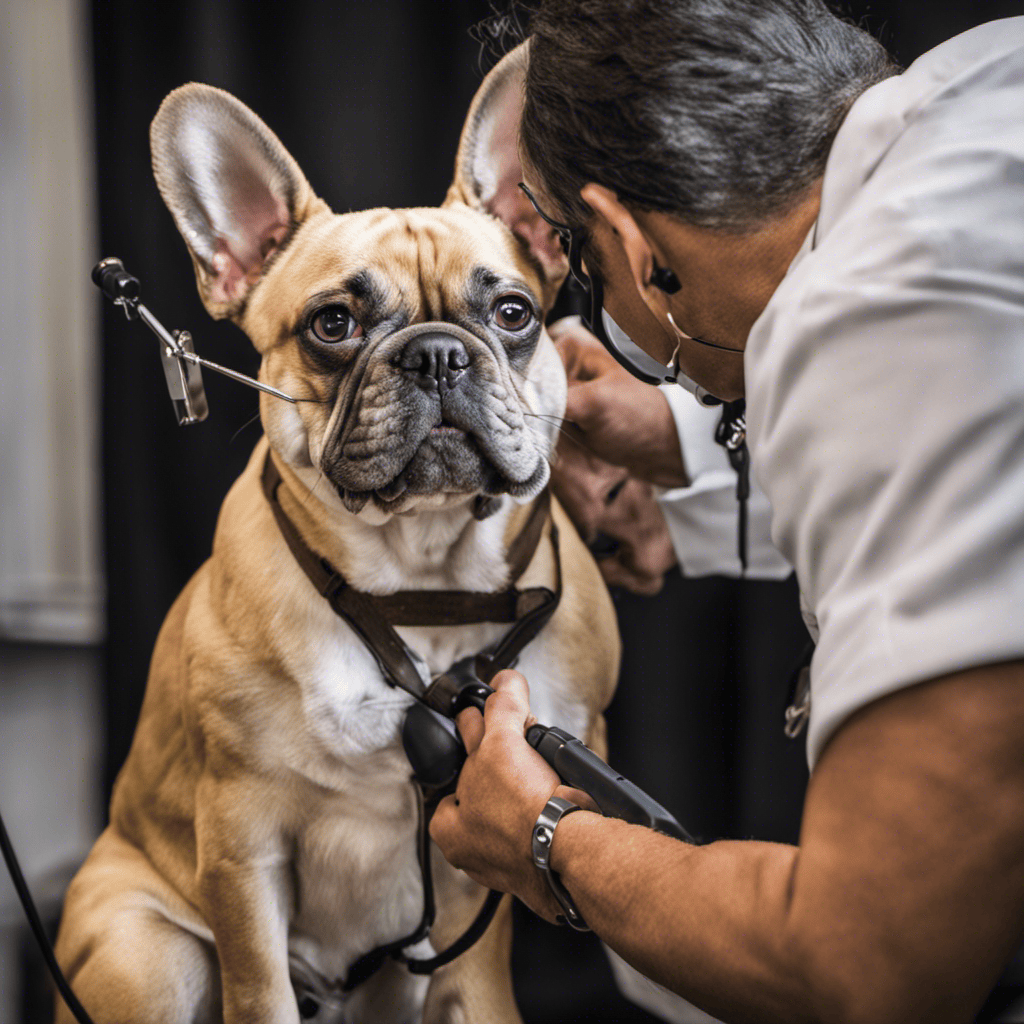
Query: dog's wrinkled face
[
  {"x": 418, "y": 332},
  {"x": 414, "y": 337}
]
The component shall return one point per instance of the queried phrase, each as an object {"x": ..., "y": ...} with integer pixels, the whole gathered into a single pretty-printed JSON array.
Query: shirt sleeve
[
  {"x": 886, "y": 414},
  {"x": 703, "y": 517}
]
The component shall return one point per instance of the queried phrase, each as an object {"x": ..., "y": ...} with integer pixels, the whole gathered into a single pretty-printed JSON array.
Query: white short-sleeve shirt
[{"x": 885, "y": 383}]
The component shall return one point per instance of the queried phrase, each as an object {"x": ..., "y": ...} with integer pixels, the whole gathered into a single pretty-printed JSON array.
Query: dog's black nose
[{"x": 437, "y": 359}]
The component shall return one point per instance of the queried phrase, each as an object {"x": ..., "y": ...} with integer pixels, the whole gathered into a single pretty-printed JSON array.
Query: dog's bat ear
[
  {"x": 488, "y": 169},
  {"x": 235, "y": 192}
]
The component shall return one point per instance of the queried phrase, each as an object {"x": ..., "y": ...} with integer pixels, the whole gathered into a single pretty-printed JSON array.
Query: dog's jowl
[{"x": 265, "y": 831}]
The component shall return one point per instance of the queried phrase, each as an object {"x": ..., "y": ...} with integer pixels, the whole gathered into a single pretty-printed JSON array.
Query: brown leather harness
[{"x": 373, "y": 617}]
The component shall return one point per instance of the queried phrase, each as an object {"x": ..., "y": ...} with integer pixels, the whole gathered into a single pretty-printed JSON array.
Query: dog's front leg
[{"x": 243, "y": 884}]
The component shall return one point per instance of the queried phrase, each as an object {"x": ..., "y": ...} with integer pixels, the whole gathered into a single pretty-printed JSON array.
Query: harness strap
[
  {"x": 359, "y": 610},
  {"x": 373, "y": 619},
  {"x": 535, "y": 608},
  {"x": 464, "y": 607}
]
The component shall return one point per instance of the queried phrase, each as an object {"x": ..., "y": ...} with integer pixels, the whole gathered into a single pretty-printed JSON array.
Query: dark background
[{"x": 369, "y": 97}]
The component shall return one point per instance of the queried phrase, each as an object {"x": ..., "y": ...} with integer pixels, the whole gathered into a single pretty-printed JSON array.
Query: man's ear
[
  {"x": 621, "y": 223},
  {"x": 235, "y": 192},
  {"x": 488, "y": 169}
]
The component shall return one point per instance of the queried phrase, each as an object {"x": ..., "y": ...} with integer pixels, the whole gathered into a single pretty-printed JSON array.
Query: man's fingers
[
  {"x": 579, "y": 404},
  {"x": 442, "y": 821},
  {"x": 617, "y": 574},
  {"x": 570, "y": 350},
  {"x": 471, "y": 728},
  {"x": 509, "y": 706}
]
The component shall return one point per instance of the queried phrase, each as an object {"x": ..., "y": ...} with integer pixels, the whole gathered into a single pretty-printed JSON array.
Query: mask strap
[
  {"x": 700, "y": 393},
  {"x": 675, "y": 327}
]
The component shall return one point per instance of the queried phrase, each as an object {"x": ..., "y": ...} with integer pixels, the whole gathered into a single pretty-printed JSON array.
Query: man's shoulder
[
  {"x": 921, "y": 199},
  {"x": 956, "y": 102},
  {"x": 884, "y": 380}
]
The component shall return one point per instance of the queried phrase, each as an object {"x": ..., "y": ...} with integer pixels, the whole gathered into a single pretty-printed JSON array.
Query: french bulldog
[{"x": 263, "y": 830}]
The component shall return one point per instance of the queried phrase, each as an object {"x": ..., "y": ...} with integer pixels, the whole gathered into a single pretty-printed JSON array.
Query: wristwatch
[{"x": 543, "y": 835}]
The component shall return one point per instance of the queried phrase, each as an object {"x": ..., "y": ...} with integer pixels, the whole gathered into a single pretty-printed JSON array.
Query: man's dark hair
[{"x": 720, "y": 112}]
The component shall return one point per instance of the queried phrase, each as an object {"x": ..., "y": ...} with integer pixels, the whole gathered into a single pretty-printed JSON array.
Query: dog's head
[{"x": 417, "y": 334}]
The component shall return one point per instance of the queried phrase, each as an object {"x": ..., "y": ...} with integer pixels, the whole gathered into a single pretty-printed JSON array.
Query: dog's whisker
[
  {"x": 247, "y": 423},
  {"x": 253, "y": 419},
  {"x": 575, "y": 438},
  {"x": 551, "y": 417},
  {"x": 560, "y": 422},
  {"x": 312, "y": 490}
]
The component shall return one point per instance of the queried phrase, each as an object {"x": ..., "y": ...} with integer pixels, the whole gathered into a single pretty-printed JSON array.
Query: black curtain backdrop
[{"x": 369, "y": 97}]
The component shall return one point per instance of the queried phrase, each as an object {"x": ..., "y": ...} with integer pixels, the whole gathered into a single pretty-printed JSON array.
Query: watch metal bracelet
[{"x": 543, "y": 836}]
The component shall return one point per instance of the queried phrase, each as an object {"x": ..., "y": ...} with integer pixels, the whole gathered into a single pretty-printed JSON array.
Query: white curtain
[{"x": 50, "y": 576}]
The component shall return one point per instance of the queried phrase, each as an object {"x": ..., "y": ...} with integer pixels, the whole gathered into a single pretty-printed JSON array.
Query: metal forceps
[{"x": 181, "y": 364}]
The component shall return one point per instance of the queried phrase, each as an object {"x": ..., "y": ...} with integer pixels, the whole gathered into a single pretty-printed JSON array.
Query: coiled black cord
[{"x": 37, "y": 928}]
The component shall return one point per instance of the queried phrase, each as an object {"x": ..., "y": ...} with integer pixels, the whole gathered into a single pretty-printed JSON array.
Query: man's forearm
[
  {"x": 708, "y": 922},
  {"x": 902, "y": 904}
]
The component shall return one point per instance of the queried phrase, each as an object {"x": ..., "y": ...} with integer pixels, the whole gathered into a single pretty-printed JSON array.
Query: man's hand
[
  {"x": 618, "y": 418},
  {"x": 603, "y": 499},
  {"x": 595, "y": 478},
  {"x": 486, "y": 828}
]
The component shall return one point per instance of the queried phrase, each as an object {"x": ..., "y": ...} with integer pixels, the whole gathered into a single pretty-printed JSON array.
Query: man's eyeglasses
[{"x": 636, "y": 361}]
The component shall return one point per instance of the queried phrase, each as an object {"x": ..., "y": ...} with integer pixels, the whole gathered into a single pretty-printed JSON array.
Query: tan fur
[{"x": 266, "y": 804}]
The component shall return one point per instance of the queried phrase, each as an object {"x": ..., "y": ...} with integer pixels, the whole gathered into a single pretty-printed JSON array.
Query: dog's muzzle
[{"x": 432, "y": 409}]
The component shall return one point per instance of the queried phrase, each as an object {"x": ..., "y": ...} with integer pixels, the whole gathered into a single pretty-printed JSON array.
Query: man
[{"x": 777, "y": 214}]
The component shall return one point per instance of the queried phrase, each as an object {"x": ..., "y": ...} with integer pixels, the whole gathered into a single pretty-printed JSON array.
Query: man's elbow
[{"x": 842, "y": 988}]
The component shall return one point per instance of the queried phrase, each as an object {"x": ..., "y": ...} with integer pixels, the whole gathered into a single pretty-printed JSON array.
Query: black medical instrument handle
[
  {"x": 578, "y": 766},
  {"x": 22, "y": 889}
]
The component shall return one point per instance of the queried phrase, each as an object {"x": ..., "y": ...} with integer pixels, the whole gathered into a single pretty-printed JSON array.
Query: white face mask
[{"x": 626, "y": 344}]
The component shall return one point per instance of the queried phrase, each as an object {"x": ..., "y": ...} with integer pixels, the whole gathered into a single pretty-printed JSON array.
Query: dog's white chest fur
[
  {"x": 357, "y": 876},
  {"x": 357, "y": 879}
]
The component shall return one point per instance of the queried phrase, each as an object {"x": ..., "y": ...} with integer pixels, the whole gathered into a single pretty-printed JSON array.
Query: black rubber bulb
[{"x": 435, "y": 753}]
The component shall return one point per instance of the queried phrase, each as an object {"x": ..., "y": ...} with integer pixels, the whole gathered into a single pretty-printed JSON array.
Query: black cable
[
  {"x": 37, "y": 928},
  {"x": 741, "y": 463},
  {"x": 731, "y": 434},
  {"x": 461, "y": 944}
]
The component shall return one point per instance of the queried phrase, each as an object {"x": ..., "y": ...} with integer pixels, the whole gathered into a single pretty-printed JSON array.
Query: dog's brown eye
[
  {"x": 512, "y": 313},
  {"x": 335, "y": 323}
]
